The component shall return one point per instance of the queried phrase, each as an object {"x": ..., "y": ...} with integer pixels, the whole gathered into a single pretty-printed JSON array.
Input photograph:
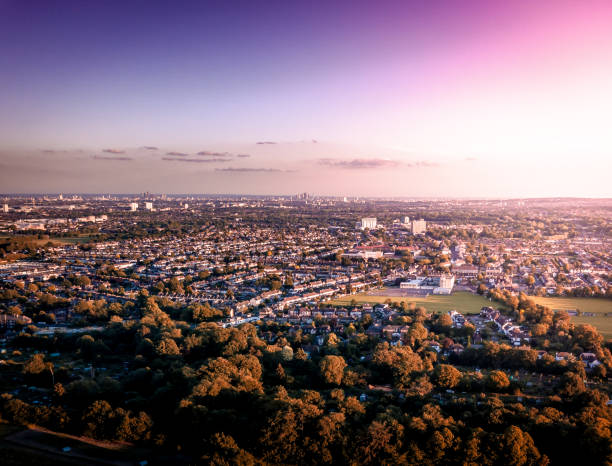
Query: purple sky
[{"x": 411, "y": 98}]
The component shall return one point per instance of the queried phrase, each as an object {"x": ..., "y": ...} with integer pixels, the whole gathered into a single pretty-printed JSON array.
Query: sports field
[
  {"x": 467, "y": 303},
  {"x": 461, "y": 301},
  {"x": 597, "y": 306}
]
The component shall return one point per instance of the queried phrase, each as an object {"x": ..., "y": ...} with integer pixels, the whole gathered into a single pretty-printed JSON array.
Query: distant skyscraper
[
  {"x": 148, "y": 206},
  {"x": 5, "y": 208},
  {"x": 134, "y": 206},
  {"x": 406, "y": 220},
  {"x": 419, "y": 227}
]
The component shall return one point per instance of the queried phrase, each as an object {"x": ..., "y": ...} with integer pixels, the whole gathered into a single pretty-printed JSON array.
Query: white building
[
  {"x": 419, "y": 227},
  {"x": 367, "y": 222},
  {"x": 148, "y": 206},
  {"x": 442, "y": 284},
  {"x": 5, "y": 208},
  {"x": 406, "y": 220},
  {"x": 363, "y": 254},
  {"x": 133, "y": 206}
]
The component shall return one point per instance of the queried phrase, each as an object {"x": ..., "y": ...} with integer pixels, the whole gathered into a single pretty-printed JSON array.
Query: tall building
[
  {"x": 447, "y": 281},
  {"x": 5, "y": 208},
  {"x": 419, "y": 227},
  {"x": 148, "y": 206},
  {"x": 367, "y": 222},
  {"x": 133, "y": 206},
  {"x": 406, "y": 220}
]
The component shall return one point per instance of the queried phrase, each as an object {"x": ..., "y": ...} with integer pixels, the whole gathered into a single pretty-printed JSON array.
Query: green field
[
  {"x": 58, "y": 241},
  {"x": 73, "y": 240},
  {"x": 597, "y": 306},
  {"x": 466, "y": 303},
  {"x": 461, "y": 301}
]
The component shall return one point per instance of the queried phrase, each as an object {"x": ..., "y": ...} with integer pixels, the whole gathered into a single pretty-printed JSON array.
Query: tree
[
  {"x": 447, "y": 376},
  {"x": 518, "y": 449},
  {"x": 167, "y": 347},
  {"x": 82, "y": 281},
  {"x": 445, "y": 322},
  {"x": 280, "y": 373},
  {"x": 417, "y": 332},
  {"x": 420, "y": 387},
  {"x": 332, "y": 339},
  {"x": 571, "y": 384},
  {"x": 587, "y": 337},
  {"x": 332, "y": 369},
  {"x": 286, "y": 353},
  {"x": 301, "y": 355},
  {"x": 223, "y": 449},
  {"x": 381, "y": 443},
  {"x": 103, "y": 422},
  {"x": 498, "y": 380},
  {"x": 38, "y": 371}
]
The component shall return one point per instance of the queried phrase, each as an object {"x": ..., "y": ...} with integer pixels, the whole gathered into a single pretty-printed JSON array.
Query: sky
[{"x": 414, "y": 98}]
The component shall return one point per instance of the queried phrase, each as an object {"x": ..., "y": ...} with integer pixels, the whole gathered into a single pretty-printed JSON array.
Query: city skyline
[{"x": 411, "y": 99}]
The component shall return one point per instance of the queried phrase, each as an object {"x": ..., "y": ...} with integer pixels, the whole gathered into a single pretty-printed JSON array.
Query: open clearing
[
  {"x": 468, "y": 303},
  {"x": 24, "y": 445},
  {"x": 56, "y": 241},
  {"x": 594, "y": 305},
  {"x": 462, "y": 301},
  {"x": 598, "y": 306}
]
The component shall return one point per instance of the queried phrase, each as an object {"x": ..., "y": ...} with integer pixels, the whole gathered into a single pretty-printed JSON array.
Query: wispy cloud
[
  {"x": 177, "y": 154},
  {"x": 422, "y": 164},
  {"x": 243, "y": 156},
  {"x": 211, "y": 160},
  {"x": 253, "y": 170},
  {"x": 266, "y": 142},
  {"x": 54, "y": 151},
  {"x": 150, "y": 148},
  {"x": 213, "y": 154},
  {"x": 373, "y": 163},
  {"x": 117, "y": 159},
  {"x": 358, "y": 164},
  {"x": 471, "y": 159},
  {"x": 113, "y": 151}
]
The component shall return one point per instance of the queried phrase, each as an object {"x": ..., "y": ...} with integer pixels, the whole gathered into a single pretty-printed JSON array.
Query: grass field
[
  {"x": 597, "y": 306},
  {"x": 462, "y": 301},
  {"x": 72, "y": 240},
  {"x": 40, "y": 242},
  {"x": 466, "y": 303}
]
